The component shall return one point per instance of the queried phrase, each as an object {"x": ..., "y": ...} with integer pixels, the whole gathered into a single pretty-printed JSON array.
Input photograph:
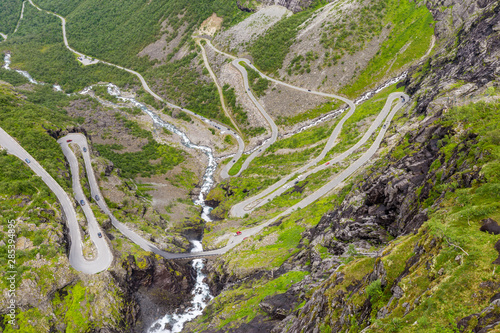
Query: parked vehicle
[
  {"x": 84, "y": 149},
  {"x": 238, "y": 233},
  {"x": 82, "y": 202},
  {"x": 96, "y": 198},
  {"x": 99, "y": 234}
]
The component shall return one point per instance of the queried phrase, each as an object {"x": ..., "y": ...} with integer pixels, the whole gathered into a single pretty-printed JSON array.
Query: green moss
[
  {"x": 412, "y": 26},
  {"x": 242, "y": 304}
]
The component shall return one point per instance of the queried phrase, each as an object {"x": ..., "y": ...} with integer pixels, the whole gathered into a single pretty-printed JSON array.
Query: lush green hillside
[
  {"x": 38, "y": 48},
  {"x": 116, "y": 32},
  {"x": 11, "y": 11}
]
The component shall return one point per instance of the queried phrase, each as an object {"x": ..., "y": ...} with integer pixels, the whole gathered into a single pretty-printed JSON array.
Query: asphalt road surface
[
  {"x": 76, "y": 259},
  {"x": 250, "y": 204},
  {"x": 104, "y": 260}
]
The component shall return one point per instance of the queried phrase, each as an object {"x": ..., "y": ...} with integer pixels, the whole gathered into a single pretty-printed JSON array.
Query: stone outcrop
[{"x": 157, "y": 286}]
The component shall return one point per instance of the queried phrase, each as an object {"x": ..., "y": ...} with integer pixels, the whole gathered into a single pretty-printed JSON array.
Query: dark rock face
[
  {"x": 490, "y": 226},
  {"x": 481, "y": 322},
  {"x": 497, "y": 247},
  {"x": 157, "y": 287},
  {"x": 244, "y": 8},
  {"x": 389, "y": 199},
  {"x": 278, "y": 306},
  {"x": 471, "y": 56}
]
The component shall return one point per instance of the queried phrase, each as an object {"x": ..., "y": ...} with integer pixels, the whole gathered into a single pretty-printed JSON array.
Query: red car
[
  {"x": 238, "y": 233},
  {"x": 327, "y": 163},
  {"x": 69, "y": 140}
]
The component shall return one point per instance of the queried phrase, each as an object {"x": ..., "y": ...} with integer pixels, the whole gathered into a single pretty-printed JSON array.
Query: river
[{"x": 170, "y": 322}]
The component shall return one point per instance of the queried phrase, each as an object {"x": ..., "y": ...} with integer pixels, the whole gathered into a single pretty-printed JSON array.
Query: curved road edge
[
  {"x": 76, "y": 258},
  {"x": 222, "y": 128}
]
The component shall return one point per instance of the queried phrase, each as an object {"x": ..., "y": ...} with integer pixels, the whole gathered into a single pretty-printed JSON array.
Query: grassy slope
[
  {"x": 412, "y": 27},
  {"x": 268, "y": 168},
  {"x": 38, "y": 48},
  {"x": 446, "y": 291}
]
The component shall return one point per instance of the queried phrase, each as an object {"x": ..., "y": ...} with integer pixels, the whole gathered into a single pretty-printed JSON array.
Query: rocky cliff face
[
  {"x": 393, "y": 199},
  {"x": 156, "y": 287},
  {"x": 469, "y": 49}
]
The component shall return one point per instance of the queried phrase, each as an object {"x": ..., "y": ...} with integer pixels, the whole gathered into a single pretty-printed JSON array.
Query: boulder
[{"x": 490, "y": 226}]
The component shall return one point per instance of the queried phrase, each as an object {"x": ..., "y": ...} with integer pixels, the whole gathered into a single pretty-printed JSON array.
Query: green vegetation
[
  {"x": 258, "y": 84},
  {"x": 116, "y": 32},
  {"x": 456, "y": 259},
  {"x": 76, "y": 316},
  {"x": 186, "y": 179},
  {"x": 241, "y": 115},
  {"x": 309, "y": 114},
  {"x": 297, "y": 65},
  {"x": 351, "y": 34},
  {"x": 11, "y": 11},
  {"x": 246, "y": 299},
  {"x": 12, "y": 77},
  {"x": 28, "y": 123},
  {"x": 154, "y": 158},
  {"x": 411, "y": 26},
  {"x": 269, "y": 51},
  {"x": 38, "y": 48},
  {"x": 237, "y": 166},
  {"x": 350, "y": 133},
  {"x": 183, "y": 83},
  {"x": 304, "y": 138},
  {"x": 102, "y": 91}
]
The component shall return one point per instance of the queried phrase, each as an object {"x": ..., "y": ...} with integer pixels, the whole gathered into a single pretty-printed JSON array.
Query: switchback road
[{"x": 76, "y": 258}]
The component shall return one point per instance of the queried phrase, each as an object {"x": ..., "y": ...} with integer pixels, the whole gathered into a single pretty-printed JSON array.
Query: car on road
[
  {"x": 82, "y": 202},
  {"x": 383, "y": 126},
  {"x": 84, "y": 149},
  {"x": 99, "y": 234},
  {"x": 309, "y": 90},
  {"x": 96, "y": 198},
  {"x": 296, "y": 182},
  {"x": 238, "y": 233},
  {"x": 327, "y": 163},
  {"x": 69, "y": 140},
  {"x": 27, "y": 160}
]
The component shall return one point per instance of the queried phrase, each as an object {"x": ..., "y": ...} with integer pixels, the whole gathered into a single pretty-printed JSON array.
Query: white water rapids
[
  {"x": 173, "y": 323},
  {"x": 170, "y": 323}
]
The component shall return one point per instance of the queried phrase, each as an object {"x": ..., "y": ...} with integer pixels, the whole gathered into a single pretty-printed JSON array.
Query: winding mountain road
[
  {"x": 104, "y": 258},
  {"x": 237, "y": 63},
  {"x": 81, "y": 141},
  {"x": 76, "y": 258},
  {"x": 278, "y": 188},
  {"x": 87, "y": 60}
]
